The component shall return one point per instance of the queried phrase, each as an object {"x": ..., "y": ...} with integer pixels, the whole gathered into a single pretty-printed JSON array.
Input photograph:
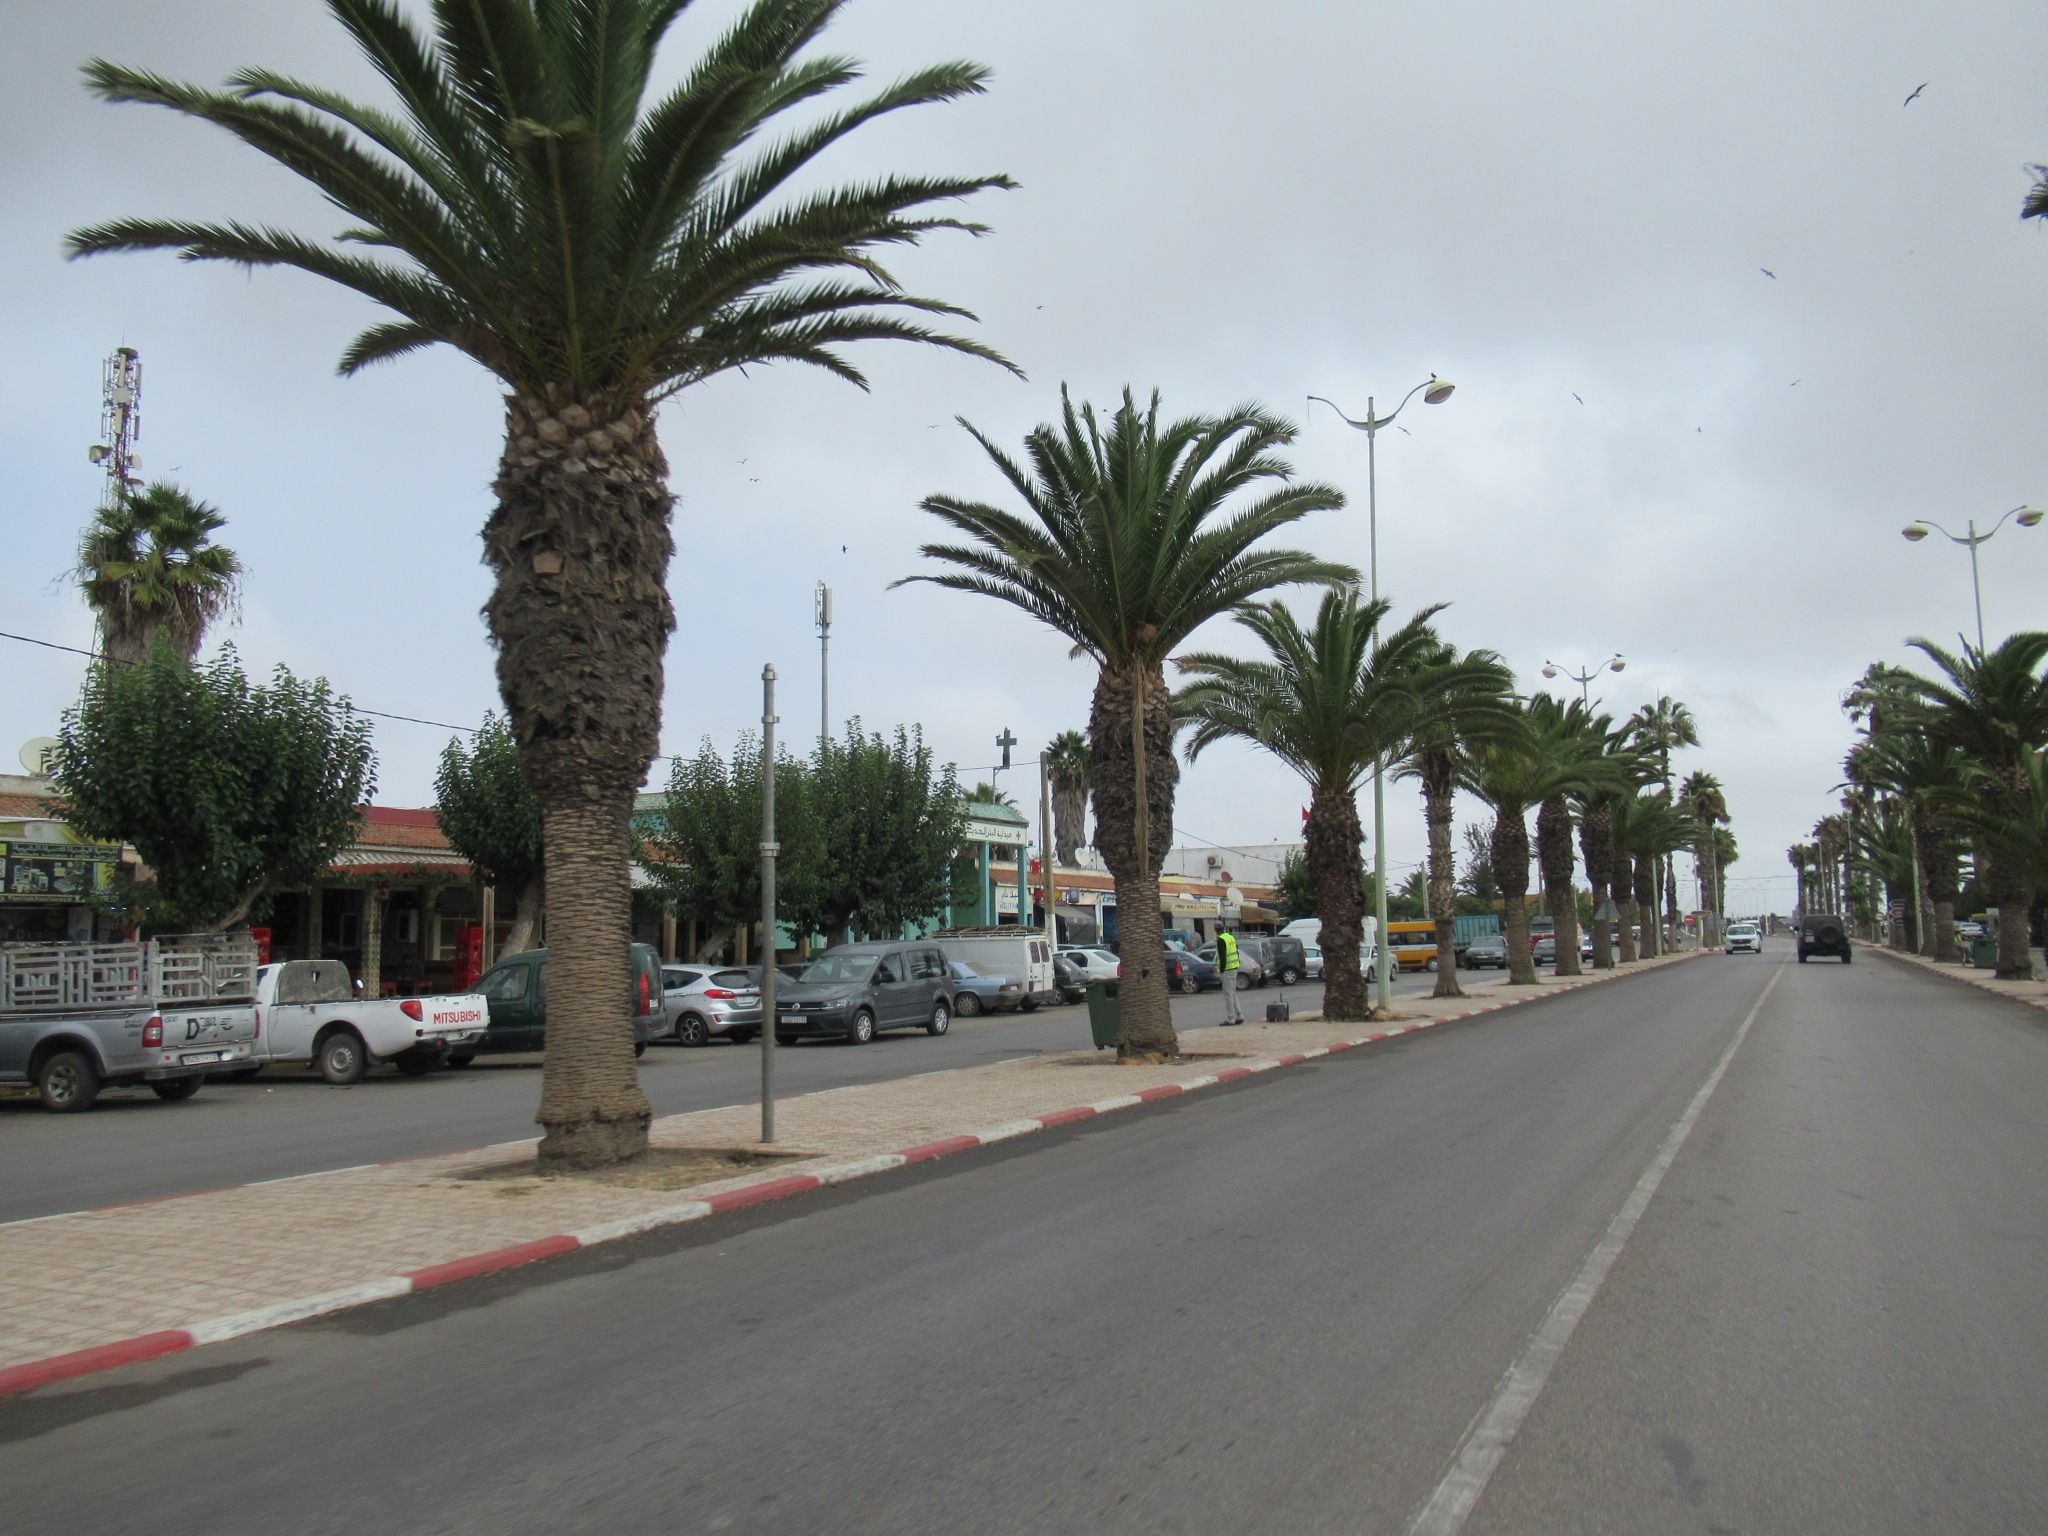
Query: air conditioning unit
[{"x": 1213, "y": 860}]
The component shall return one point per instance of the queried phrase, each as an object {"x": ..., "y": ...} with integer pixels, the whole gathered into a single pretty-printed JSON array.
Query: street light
[
  {"x": 1614, "y": 663},
  {"x": 1918, "y": 530},
  {"x": 1434, "y": 391}
]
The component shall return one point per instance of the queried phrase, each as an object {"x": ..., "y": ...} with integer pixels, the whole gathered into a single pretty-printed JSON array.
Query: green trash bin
[
  {"x": 1984, "y": 952},
  {"x": 1105, "y": 1013}
]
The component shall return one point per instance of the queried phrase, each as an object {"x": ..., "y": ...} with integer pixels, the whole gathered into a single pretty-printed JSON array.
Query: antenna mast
[{"x": 120, "y": 424}]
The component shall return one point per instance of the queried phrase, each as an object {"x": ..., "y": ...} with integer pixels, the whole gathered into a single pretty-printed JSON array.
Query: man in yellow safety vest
[{"x": 1226, "y": 962}]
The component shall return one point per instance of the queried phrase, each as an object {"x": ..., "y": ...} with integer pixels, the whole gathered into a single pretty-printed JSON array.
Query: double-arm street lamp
[
  {"x": 1919, "y": 529},
  {"x": 1613, "y": 663},
  {"x": 1434, "y": 391}
]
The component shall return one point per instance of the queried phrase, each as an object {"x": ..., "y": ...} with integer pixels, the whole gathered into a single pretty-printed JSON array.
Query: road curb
[
  {"x": 1963, "y": 976},
  {"x": 31, "y": 1375}
]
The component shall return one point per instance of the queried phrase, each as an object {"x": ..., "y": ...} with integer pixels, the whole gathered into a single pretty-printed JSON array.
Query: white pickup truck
[{"x": 307, "y": 1011}]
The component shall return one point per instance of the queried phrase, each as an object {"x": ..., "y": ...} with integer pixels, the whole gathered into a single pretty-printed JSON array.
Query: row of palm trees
[
  {"x": 1948, "y": 761},
  {"x": 1132, "y": 531}
]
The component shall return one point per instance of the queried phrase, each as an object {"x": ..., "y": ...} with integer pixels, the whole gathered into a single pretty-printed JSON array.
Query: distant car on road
[
  {"x": 1068, "y": 980},
  {"x": 1488, "y": 950},
  {"x": 1823, "y": 933},
  {"x": 1543, "y": 950},
  {"x": 1742, "y": 939},
  {"x": 1250, "y": 973},
  {"x": 1094, "y": 962},
  {"x": 975, "y": 993},
  {"x": 1187, "y": 971}
]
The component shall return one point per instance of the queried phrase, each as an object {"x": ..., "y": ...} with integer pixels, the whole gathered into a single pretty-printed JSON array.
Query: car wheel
[
  {"x": 1846, "y": 957},
  {"x": 417, "y": 1063},
  {"x": 178, "y": 1089},
  {"x": 639, "y": 1049},
  {"x": 68, "y": 1082},
  {"x": 782, "y": 1039},
  {"x": 342, "y": 1059},
  {"x": 743, "y": 1036},
  {"x": 691, "y": 1030},
  {"x": 462, "y": 1060},
  {"x": 1189, "y": 985},
  {"x": 967, "y": 1004},
  {"x": 862, "y": 1029},
  {"x": 942, "y": 1019},
  {"x": 1029, "y": 1004},
  {"x": 1431, "y": 965},
  {"x": 1802, "y": 956}
]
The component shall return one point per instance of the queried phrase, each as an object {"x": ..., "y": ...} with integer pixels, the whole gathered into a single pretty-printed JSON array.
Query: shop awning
[
  {"x": 1181, "y": 906},
  {"x": 1252, "y": 912}
]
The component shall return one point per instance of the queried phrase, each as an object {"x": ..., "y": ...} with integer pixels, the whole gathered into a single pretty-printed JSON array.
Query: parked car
[
  {"x": 1094, "y": 962},
  {"x": 76, "y": 1018},
  {"x": 1023, "y": 955},
  {"x": 1068, "y": 981},
  {"x": 1312, "y": 961},
  {"x": 1742, "y": 939},
  {"x": 1968, "y": 929},
  {"x": 516, "y": 992},
  {"x": 1489, "y": 950},
  {"x": 1824, "y": 933},
  {"x": 1283, "y": 956},
  {"x": 1250, "y": 972},
  {"x": 1187, "y": 971},
  {"x": 700, "y": 1001},
  {"x": 855, "y": 991},
  {"x": 1543, "y": 951},
  {"x": 308, "y": 1011},
  {"x": 975, "y": 993}
]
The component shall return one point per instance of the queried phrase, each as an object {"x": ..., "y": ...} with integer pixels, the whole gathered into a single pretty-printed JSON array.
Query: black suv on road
[{"x": 1823, "y": 933}]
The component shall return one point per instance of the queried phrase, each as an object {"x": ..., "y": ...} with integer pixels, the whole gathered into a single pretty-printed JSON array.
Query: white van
[
  {"x": 1310, "y": 931},
  {"x": 1022, "y": 955}
]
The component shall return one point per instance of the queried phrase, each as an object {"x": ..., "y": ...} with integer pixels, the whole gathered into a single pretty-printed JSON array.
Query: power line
[{"x": 51, "y": 645}]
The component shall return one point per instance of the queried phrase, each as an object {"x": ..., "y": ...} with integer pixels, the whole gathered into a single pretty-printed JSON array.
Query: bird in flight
[
  {"x": 1916, "y": 92},
  {"x": 1575, "y": 396},
  {"x": 1793, "y": 385},
  {"x": 753, "y": 479},
  {"x": 1767, "y": 272}
]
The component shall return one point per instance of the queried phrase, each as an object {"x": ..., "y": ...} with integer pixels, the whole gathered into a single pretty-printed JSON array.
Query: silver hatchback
[{"x": 703, "y": 1001}]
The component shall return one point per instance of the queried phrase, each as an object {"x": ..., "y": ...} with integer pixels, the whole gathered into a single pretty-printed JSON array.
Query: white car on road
[
  {"x": 1093, "y": 964},
  {"x": 1743, "y": 939}
]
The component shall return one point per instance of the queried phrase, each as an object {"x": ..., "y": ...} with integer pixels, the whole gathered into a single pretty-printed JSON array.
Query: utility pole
[
  {"x": 769, "y": 849},
  {"x": 822, "y": 612},
  {"x": 1052, "y": 926}
]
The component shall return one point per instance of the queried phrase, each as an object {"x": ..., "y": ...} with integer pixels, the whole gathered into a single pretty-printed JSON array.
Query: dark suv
[
  {"x": 855, "y": 991},
  {"x": 1823, "y": 933},
  {"x": 1283, "y": 957}
]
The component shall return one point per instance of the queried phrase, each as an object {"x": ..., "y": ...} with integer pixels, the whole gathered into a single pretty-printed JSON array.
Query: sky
[{"x": 1723, "y": 314}]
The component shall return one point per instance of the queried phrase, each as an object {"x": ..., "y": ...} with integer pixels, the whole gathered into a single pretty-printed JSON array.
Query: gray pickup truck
[{"x": 76, "y": 1018}]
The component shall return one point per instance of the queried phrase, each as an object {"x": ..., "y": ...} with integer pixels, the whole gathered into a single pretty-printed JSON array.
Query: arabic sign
[{"x": 55, "y": 872}]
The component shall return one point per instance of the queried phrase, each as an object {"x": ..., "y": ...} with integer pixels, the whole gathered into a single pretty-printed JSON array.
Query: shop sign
[{"x": 56, "y": 872}]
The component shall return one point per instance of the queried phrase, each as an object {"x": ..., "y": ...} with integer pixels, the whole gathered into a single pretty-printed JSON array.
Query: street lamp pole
[
  {"x": 1614, "y": 663},
  {"x": 821, "y": 608},
  {"x": 1434, "y": 391},
  {"x": 1920, "y": 528}
]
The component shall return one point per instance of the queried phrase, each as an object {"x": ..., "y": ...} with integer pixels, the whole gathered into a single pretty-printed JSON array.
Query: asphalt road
[
  {"x": 1273, "y": 1308},
  {"x": 132, "y": 1146}
]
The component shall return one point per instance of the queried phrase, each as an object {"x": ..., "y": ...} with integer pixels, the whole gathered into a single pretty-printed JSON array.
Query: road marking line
[{"x": 1487, "y": 1441}]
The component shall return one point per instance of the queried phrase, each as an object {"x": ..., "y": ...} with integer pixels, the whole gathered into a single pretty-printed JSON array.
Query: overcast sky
[{"x": 1222, "y": 202}]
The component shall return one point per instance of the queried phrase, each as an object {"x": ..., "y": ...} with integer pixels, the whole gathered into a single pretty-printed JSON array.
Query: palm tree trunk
[
  {"x": 1596, "y": 846},
  {"x": 1133, "y": 778},
  {"x": 1438, "y": 785},
  {"x": 1510, "y": 850},
  {"x": 2014, "y": 893},
  {"x": 580, "y": 546},
  {"x": 1646, "y": 904},
  {"x": 1336, "y": 871},
  {"x": 1554, "y": 852},
  {"x": 1623, "y": 893},
  {"x": 1671, "y": 896}
]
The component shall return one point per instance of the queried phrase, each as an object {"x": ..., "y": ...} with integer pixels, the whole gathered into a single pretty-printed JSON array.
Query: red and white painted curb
[{"x": 149, "y": 1346}]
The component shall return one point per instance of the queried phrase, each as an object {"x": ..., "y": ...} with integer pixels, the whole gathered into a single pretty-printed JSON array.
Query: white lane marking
[{"x": 1494, "y": 1430}]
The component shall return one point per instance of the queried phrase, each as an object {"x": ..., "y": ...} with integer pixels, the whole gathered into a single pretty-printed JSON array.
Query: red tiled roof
[
  {"x": 28, "y": 806},
  {"x": 391, "y": 826}
]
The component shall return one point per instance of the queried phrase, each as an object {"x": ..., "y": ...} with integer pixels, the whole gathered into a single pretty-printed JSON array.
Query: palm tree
[
  {"x": 1992, "y": 706},
  {"x": 2036, "y": 205},
  {"x": 1619, "y": 776},
  {"x": 1066, "y": 763},
  {"x": 1925, "y": 775},
  {"x": 1647, "y": 829},
  {"x": 1704, "y": 800},
  {"x": 1134, "y": 536},
  {"x": 1466, "y": 700},
  {"x": 148, "y": 566},
  {"x": 1796, "y": 857},
  {"x": 526, "y": 204},
  {"x": 1329, "y": 702},
  {"x": 2009, "y": 814},
  {"x": 1660, "y": 728},
  {"x": 1511, "y": 773},
  {"x": 1574, "y": 739}
]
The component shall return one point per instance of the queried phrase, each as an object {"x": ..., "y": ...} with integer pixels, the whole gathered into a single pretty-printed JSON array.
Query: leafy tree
[
  {"x": 489, "y": 813},
  {"x": 1478, "y": 879},
  {"x": 230, "y": 792},
  {"x": 1067, "y": 768},
  {"x": 1409, "y": 902},
  {"x": 887, "y": 825},
  {"x": 148, "y": 565},
  {"x": 1329, "y": 701},
  {"x": 1296, "y": 886},
  {"x": 597, "y": 252},
  {"x": 1135, "y": 535},
  {"x": 704, "y": 849}
]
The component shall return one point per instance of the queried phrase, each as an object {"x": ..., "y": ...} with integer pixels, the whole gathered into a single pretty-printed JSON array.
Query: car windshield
[{"x": 832, "y": 970}]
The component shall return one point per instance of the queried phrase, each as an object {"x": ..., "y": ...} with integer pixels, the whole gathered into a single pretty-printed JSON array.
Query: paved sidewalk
[
  {"x": 2032, "y": 993},
  {"x": 94, "y": 1289}
]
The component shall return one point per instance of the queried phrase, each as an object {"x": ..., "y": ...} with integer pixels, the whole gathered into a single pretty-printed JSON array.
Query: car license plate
[
  {"x": 193, "y": 1058},
  {"x": 792, "y": 1018}
]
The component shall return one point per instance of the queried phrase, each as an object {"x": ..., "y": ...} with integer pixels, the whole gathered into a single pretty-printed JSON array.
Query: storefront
[{"x": 49, "y": 881}]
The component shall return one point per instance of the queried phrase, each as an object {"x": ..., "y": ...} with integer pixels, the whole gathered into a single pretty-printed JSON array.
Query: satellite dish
[{"x": 35, "y": 755}]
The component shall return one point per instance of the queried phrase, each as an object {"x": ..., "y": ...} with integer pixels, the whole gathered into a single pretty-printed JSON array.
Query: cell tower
[{"x": 120, "y": 424}]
